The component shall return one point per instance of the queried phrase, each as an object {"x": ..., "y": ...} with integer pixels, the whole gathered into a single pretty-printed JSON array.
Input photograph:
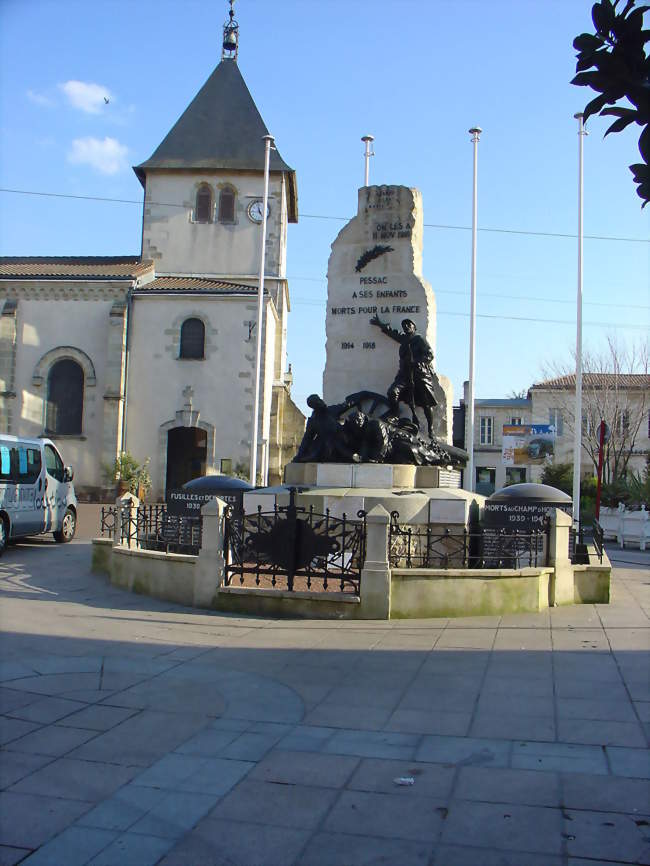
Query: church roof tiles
[
  {"x": 220, "y": 129},
  {"x": 75, "y": 267},
  {"x": 172, "y": 285}
]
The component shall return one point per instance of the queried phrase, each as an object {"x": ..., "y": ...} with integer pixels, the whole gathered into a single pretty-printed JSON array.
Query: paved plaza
[{"x": 139, "y": 732}]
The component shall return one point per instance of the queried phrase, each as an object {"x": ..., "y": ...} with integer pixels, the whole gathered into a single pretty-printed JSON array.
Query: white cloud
[
  {"x": 86, "y": 96},
  {"x": 106, "y": 155},
  {"x": 40, "y": 99}
]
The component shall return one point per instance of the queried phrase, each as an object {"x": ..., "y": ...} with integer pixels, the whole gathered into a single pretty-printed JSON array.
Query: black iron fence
[
  {"x": 428, "y": 546},
  {"x": 598, "y": 539},
  {"x": 150, "y": 527},
  {"x": 295, "y": 549}
]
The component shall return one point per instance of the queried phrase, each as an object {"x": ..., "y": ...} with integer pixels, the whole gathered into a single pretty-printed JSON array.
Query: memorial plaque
[{"x": 375, "y": 269}]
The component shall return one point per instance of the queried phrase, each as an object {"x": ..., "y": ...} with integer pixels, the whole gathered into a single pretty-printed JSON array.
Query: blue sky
[{"x": 417, "y": 75}]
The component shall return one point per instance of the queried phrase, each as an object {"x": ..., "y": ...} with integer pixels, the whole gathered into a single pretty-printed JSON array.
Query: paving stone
[
  {"x": 74, "y": 847},
  {"x": 595, "y": 708},
  {"x": 53, "y": 664},
  {"x": 27, "y": 821},
  {"x": 306, "y": 738},
  {"x": 429, "y": 780},
  {"x": 16, "y": 765},
  {"x": 565, "y": 757},
  {"x": 582, "y": 688},
  {"x": 372, "y": 744},
  {"x": 143, "y": 738},
  {"x": 634, "y": 763},
  {"x": 57, "y": 684},
  {"x": 194, "y": 773},
  {"x": 54, "y": 740},
  {"x": 9, "y": 856},
  {"x": 76, "y": 780},
  {"x": 249, "y": 746},
  {"x": 605, "y": 733},
  {"x": 209, "y": 743},
  {"x": 230, "y": 843},
  {"x": 502, "y": 785},
  {"x": 503, "y": 683},
  {"x": 13, "y": 699},
  {"x": 504, "y": 826},
  {"x": 98, "y": 717},
  {"x": 277, "y": 804},
  {"x": 386, "y": 816},
  {"x": 123, "y": 808},
  {"x": 47, "y": 710},
  {"x": 305, "y": 768},
  {"x": 13, "y": 729},
  {"x": 344, "y": 716},
  {"x": 175, "y": 814},
  {"x": 606, "y": 793},
  {"x": 225, "y": 724},
  {"x": 326, "y": 849},
  {"x": 608, "y": 836},
  {"x": 429, "y": 722},
  {"x": 464, "y": 751},
  {"x": 511, "y": 727},
  {"x": 455, "y": 855},
  {"x": 133, "y": 849}
]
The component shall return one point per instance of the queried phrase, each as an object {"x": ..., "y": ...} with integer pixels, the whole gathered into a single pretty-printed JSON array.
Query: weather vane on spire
[{"x": 230, "y": 36}]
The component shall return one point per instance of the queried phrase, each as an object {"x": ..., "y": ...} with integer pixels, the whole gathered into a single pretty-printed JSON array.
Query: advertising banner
[{"x": 527, "y": 444}]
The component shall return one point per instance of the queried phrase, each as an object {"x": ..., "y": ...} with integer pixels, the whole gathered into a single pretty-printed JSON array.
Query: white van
[{"x": 36, "y": 490}]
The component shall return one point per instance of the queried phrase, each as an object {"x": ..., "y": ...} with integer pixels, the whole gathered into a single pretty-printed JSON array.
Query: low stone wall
[
  {"x": 591, "y": 582},
  {"x": 422, "y": 592},
  {"x": 385, "y": 593},
  {"x": 276, "y": 603}
]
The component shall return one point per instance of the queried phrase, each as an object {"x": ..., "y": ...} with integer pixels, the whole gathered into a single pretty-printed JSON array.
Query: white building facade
[{"x": 155, "y": 355}]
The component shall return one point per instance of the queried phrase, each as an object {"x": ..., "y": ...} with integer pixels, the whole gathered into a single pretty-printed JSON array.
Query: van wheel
[
  {"x": 3, "y": 535},
  {"x": 68, "y": 527}
]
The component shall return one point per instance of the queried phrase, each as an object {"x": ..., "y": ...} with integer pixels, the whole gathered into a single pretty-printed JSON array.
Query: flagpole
[
  {"x": 475, "y": 132},
  {"x": 268, "y": 143},
  {"x": 577, "y": 426}
]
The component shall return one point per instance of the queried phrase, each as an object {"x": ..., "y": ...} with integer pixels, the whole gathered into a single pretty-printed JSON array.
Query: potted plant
[{"x": 129, "y": 476}]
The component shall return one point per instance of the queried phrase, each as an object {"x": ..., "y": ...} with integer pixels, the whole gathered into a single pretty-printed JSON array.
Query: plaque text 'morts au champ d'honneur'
[{"x": 375, "y": 269}]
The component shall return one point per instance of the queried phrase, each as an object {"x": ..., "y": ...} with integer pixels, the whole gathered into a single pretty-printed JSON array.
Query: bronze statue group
[{"x": 343, "y": 433}]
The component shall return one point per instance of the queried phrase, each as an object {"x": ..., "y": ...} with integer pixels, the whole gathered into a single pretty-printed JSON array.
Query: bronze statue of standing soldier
[{"x": 414, "y": 382}]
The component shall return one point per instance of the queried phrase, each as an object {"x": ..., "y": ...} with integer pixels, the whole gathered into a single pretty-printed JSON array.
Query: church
[{"x": 156, "y": 355}]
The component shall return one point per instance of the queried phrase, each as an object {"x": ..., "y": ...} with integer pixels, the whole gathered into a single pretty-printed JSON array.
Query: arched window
[
  {"x": 65, "y": 398},
  {"x": 203, "y": 209},
  {"x": 227, "y": 205},
  {"x": 192, "y": 339}
]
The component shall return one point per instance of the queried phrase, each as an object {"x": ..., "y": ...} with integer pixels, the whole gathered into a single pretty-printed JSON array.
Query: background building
[
  {"x": 155, "y": 354},
  {"x": 622, "y": 400}
]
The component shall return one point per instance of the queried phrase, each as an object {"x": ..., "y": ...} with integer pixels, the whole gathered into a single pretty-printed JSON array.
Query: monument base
[{"x": 421, "y": 494}]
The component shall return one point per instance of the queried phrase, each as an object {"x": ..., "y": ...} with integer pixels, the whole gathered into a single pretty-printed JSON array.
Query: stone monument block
[{"x": 375, "y": 269}]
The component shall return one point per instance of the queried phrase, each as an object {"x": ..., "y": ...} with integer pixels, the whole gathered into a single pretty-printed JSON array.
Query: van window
[
  {"x": 29, "y": 465},
  {"x": 5, "y": 463},
  {"x": 53, "y": 463}
]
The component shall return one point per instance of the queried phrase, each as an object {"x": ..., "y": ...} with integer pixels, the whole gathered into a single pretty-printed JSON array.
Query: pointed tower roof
[{"x": 220, "y": 129}]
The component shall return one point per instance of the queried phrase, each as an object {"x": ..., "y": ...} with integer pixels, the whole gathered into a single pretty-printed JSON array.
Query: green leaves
[{"x": 612, "y": 62}]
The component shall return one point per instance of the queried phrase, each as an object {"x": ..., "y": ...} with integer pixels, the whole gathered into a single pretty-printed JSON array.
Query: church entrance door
[{"x": 186, "y": 456}]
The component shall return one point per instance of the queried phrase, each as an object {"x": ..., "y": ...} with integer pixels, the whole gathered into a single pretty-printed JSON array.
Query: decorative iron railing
[
  {"x": 295, "y": 549},
  {"x": 427, "y": 546},
  {"x": 599, "y": 539},
  {"x": 150, "y": 527}
]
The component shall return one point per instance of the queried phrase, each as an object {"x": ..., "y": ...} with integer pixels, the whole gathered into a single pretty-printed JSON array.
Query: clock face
[{"x": 256, "y": 210}]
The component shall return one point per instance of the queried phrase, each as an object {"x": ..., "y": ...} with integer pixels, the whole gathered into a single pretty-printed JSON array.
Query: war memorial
[{"x": 370, "y": 521}]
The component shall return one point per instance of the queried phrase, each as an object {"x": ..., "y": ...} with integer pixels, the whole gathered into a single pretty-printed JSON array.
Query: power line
[
  {"x": 545, "y": 300},
  {"x": 311, "y": 303},
  {"x": 329, "y": 217}
]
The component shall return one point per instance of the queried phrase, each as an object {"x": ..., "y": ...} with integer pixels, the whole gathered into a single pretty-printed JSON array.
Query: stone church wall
[
  {"x": 215, "y": 394},
  {"x": 178, "y": 245}
]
